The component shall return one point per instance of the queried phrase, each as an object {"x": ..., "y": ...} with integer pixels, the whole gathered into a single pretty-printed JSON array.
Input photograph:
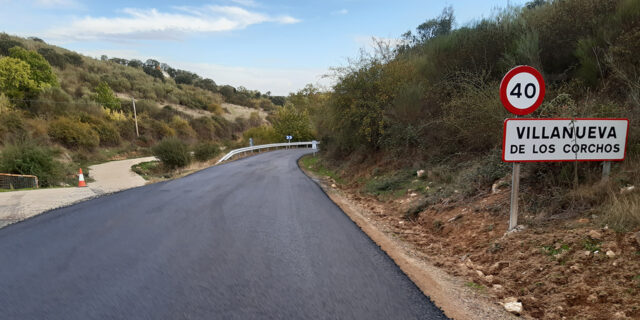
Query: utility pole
[{"x": 135, "y": 117}]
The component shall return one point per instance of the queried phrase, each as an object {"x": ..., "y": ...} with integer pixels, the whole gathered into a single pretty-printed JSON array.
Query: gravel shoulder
[
  {"x": 449, "y": 293},
  {"x": 109, "y": 177}
]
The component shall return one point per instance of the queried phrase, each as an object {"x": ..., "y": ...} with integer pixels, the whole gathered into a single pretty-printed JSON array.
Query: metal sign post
[
  {"x": 515, "y": 186},
  {"x": 606, "y": 169},
  {"x": 289, "y": 140},
  {"x": 521, "y": 92}
]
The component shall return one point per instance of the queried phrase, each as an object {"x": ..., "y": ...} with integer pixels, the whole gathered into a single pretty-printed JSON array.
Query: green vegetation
[
  {"x": 314, "y": 164},
  {"x": 81, "y": 107},
  {"x": 552, "y": 250},
  {"x": 432, "y": 103},
  {"x": 291, "y": 121},
  {"x": 34, "y": 160},
  {"x": 205, "y": 151},
  {"x": 73, "y": 134},
  {"x": 147, "y": 169},
  {"x": 592, "y": 245},
  {"x": 172, "y": 152},
  {"x": 475, "y": 286}
]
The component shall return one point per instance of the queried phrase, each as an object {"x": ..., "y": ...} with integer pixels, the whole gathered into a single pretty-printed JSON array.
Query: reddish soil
[{"x": 558, "y": 270}]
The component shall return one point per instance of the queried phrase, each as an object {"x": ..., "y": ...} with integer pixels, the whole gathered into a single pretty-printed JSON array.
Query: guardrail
[{"x": 310, "y": 144}]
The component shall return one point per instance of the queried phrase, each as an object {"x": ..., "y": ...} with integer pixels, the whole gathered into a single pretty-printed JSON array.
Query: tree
[
  {"x": 206, "y": 84},
  {"x": 15, "y": 78},
  {"x": 41, "y": 71},
  {"x": 152, "y": 68},
  {"x": 185, "y": 77},
  {"x": 227, "y": 91},
  {"x": 290, "y": 121},
  {"x": 135, "y": 63},
  {"x": 431, "y": 28},
  {"x": 105, "y": 96},
  {"x": 6, "y": 43},
  {"x": 53, "y": 57},
  {"x": 74, "y": 58}
]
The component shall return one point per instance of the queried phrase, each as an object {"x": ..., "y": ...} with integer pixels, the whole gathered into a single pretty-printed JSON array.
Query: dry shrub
[{"x": 622, "y": 212}]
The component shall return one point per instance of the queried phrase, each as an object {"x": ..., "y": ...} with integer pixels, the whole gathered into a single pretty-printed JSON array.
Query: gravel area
[{"x": 109, "y": 177}]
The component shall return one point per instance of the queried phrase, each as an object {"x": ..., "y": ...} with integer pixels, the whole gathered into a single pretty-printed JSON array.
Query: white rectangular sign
[{"x": 527, "y": 140}]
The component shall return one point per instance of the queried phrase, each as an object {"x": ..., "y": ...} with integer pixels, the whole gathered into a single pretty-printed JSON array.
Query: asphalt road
[{"x": 254, "y": 238}]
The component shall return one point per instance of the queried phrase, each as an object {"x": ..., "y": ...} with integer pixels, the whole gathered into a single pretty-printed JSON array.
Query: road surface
[{"x": 254, "y": 238}]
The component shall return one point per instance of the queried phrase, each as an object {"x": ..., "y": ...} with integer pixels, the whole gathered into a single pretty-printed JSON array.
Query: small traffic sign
[{"x": 522, "y": 90}]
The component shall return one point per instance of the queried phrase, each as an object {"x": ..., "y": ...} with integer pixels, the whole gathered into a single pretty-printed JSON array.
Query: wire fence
[{"x": 17, "y": 181}]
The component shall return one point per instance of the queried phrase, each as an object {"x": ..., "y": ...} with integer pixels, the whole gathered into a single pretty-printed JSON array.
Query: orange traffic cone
[{"x": 81, "y": 182}]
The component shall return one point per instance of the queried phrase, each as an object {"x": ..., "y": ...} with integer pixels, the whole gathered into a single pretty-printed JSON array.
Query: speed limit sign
[{"x": 522, "y": 90}]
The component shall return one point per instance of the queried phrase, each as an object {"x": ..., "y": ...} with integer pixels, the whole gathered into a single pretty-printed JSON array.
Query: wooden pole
[{"x": 135, "y": 117}]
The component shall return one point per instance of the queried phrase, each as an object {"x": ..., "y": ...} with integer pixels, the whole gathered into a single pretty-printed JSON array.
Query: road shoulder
[
  {"x": 112, "y": 176},
  {"x": 448, "y": 292}
]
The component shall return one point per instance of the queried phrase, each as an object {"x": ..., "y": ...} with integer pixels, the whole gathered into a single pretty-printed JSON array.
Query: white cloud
[
  {"x": 278, "y": 81},
  {"x": 340, "y": 12},
  {"x": 154, "y": 24}
]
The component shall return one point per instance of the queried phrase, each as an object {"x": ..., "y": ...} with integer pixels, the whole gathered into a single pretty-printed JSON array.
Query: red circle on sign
[{"x": 503, "y": 90}]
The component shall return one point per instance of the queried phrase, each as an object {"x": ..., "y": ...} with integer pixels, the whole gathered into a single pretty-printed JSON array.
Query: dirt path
[{"x": 109, "y": 177}]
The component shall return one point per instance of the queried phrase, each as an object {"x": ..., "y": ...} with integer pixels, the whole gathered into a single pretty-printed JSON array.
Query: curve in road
[{"x": 254, "y": 238}]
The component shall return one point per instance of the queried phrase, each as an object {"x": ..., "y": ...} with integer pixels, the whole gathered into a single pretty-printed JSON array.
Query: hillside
[
  {"x": 413, "y": 135},
  {"x": 60, "y": 110}
]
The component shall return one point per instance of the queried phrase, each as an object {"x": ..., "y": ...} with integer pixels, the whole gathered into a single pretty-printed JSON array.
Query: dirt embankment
[{"x": 561, "y": 270}]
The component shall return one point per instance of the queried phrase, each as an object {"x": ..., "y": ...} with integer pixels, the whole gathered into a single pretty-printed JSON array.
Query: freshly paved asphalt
[{"x": 254, "y": 238}]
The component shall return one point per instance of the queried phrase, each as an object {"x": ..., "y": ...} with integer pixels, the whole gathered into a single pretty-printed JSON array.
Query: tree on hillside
[
  {"x": 53, "y": 57},
  {"x": 432, "y": 28},
  {"x": 15, "y": 78},
  {"x": 105, "y": 96},
  {"x": 206, "y": 84},
  {"x": 135, "y": 63},
  {"x": 41, "y": 71},
  {"x": 152, "y": 68},
  {"x": 74, "y": 58},
  {"x": 7, "y": 43},
  {"x": 290, "y": 121}
]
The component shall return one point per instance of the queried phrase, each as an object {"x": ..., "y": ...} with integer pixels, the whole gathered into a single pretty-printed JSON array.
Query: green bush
[
  {"x": 108, "y": 133},
  {"x": 205, "y": 151},
  {"x": 74, "y": 134},
  {"x": 261, "y": 135},
  {"x": 12, "y": 127},
  {"x": 172, "y": 152},
  {"x": 34, "y": 160}
]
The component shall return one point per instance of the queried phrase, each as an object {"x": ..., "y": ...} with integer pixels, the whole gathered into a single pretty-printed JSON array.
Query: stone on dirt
[
  {"x": 610, "y": 254},
  {"x": 512, "y": 305},
  {"x": 638, "y": 237},
  {"x": 595, "y": 235},
  {"x": 420, "y": 173}
]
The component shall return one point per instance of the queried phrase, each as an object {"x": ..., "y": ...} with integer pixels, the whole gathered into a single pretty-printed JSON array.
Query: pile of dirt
[{"x": 569, "y": 269}]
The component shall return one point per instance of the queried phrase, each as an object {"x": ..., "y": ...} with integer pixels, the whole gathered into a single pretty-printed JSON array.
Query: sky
[{"x": 277, "y": 46}]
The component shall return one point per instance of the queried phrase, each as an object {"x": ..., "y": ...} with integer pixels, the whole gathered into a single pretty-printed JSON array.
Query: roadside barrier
[
  {"x": 308, "y": 144},
  {"x": 17, "y": 181}
]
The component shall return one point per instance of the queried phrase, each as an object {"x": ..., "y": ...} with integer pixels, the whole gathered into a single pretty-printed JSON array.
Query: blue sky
[{"x": 276, "y": 46}]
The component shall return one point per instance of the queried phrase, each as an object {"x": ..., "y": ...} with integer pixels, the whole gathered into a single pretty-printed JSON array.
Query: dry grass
[{"x": 622, "y": 212}]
